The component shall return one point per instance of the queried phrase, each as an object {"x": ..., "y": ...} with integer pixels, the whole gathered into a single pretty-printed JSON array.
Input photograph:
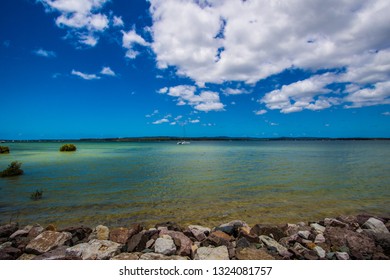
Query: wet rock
[
  {"x": 46, "y": 241},
  {"x": 199, "y": 232},
  {"x": 56, "y": 254},
  {"x": 253, "y": 254},
  {"x": 137, "y": 242},
  {"x": 165, "y": 245},
  {"x": 342, "y": 256},
  {"x": 317, "y": 228},
  {"x": 94, "y": 250},
  {"x": 375, "y": 226},
  {"x": 169, "y": 225},
  {"x": 119, "y": 235},
  {"x": 8, "y": 229},
  {"x": 320, "y": 252},
  {"x": 180, "y": 240},
  {"x": 210, "y": 253},
  {"x": 157, "y": 257},
  {"x": 272, "y": 244},
  {"x": 21, "y": 232},
  {"x": 127, "y": 256},
  {"x": 270, "y": 230}
]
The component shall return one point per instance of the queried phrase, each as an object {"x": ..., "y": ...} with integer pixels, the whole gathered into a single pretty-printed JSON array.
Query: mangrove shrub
[
  {"x": 68, "y": 148},
  {"x": 12, "y": 170},
  {"x": 4, "y": 150}
]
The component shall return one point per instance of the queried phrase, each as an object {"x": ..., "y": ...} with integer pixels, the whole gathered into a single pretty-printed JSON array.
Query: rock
[
  {"x": 5, "y": 256},
  {"x": 199, "y": 232},
  {"x": 21, "y": 232},
  {"x": 182, "y": 241},
  {"x": 336, "y": 237},
  {"x": 46, "y": 241},
  {"x": 5, "y": 245},
  {"x": 25, "y": 256},
  {"x": 155, "y": 256},
  {"x": 342, "y": 256},
  {"x": 210, "y": 253},
  {"x": 165, "y": 245},
  {"x": 242, "y": 243},
  {"x": 102, "y": 232},
  {"x": 35, "y": 231},
  {"x": 94, "y": 250},
  {"x": 383, "y": 240},
  {"x": 272, "y": 244},
  {"x": 317, "y": 228},
  {"x": 310, "y": 245},
  {"x": 226, "y": 229},
  {"x": 320, "y": 252},
  {"x": 137, "y": 242},
  {"x": 251, "y": 237},
  {"x": 8, "y": 229},
  {"x": 150, "y": 243},
  {"x": 304, "y": 234},
  {"x": 51, "y": 227},
  {"x": 310, "y": 255},
  {"x": 291, "y": 229},
  {"x": 253, "y": 254},
  {"x": 362, "y": 218},
  {"x": 56, "y": 254},
  {"x": 360, "y": 246},
  {"x": 14, "y": 252},
  {"x": 127, "y": 256},
  {"x": 119, "y": 235},
  {"x": 221, "y": 235},
  {"x": 330, "y": 222},
  {"x": 298, "y": 250},
  {"x": 319, "y": 238},
  {"x": 375, "y": 226},
  {"x": 79, "y": 234},
  {"x": 169, "y": 225},
  {"x": 274, "y": 231},
  {"x": 232, "y": 227}
]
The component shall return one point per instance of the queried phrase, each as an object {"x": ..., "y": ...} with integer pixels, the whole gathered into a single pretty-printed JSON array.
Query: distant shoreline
[{"x": 195, "y": 139}]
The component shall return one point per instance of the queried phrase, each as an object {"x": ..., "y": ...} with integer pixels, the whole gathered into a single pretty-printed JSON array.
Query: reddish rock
[
  {"x": 137, "y": 242},
  {"x": 119, "y": 235},
  {"x": 253, "y": 254},
  {"x": 79, "y": 234},
  {"x": 35, "y": 231},
  {"x": 270, "y": 230},
  {"x": 251, "y": 237},
  {"x": 360, "y": 246},
  {"x": 330, "y": 222},
  {"x": 14, "y": 252}
]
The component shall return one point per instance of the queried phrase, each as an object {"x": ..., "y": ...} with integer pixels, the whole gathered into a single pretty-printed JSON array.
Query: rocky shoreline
[{"x": 363, "y": 237}]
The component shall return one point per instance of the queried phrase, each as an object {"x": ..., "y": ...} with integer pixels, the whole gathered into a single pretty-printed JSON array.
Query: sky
[{"x": 74, "y": 69}]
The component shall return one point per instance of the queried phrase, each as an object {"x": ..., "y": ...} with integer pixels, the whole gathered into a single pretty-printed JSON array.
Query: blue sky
[{"x": 116, "y": 68}]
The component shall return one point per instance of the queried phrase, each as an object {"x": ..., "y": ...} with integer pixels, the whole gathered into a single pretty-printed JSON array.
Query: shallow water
[{"x": 203, "y": 183}]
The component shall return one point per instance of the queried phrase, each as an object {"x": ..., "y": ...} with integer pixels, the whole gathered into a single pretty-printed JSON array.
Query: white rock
[
  {"x": 199, "y": 232},
  {"x": 271, "y": 243},
  {"x": 165, "y": 245},
  {"x": 95, "y": 250},
  {"x": 23, "y": 231},
  {"x": 304, "y": 234},
  {"x": 375, "y": 225},
  {"x": 319, "y": 238},
  {"x": 342, "y": 256},
  {"x": 209, "y": 253},
  {"x": 320, "y": 252},
  {"x": 317, "y": 228}
]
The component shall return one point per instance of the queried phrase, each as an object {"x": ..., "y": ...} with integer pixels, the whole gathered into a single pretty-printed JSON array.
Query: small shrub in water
[
  {"x": 37, "y": 195},
  {"x": 4, "y": 150},
  {"x": 12, "y": 170},
  {"x": 68, "y": 148}
]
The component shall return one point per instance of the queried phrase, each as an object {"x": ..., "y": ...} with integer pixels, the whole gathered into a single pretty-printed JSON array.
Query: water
[{"x": 205, "y": 183}]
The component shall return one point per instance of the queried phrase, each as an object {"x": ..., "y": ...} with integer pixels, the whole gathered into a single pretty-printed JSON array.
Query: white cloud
[
  {"x": 129, "y": 40},
  {"x": 260, "y": 112},
  {"x": 80, "y": 17},
  {"x": 85, "y": 76},
  {"x": 234, "y": 91},
  {"x": 247, "y": 41},
  {"x": 194, "y": 121},
  {"x": 386, "y": 113},
  {"x": 205, "y": 101},
  {"x": 117, "y": 21},
  {"x": 161, "y": 121},
  {"x": 378, "y": 94},
  {"x": 44, "y": 53},
  {"x": 107, "y": 71}
]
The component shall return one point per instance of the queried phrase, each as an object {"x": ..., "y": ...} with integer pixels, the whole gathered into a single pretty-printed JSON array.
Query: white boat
[{"x": 182, "y": 142}]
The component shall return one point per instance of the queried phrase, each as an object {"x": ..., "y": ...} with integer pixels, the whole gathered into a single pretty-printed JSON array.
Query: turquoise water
[{"x": 203, "y": 183}]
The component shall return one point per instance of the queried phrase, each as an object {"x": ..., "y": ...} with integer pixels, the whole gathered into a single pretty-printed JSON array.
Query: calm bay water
[{"x": 203, "y": 183}]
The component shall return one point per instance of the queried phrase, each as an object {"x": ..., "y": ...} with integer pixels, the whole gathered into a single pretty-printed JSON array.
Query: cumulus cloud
[
  {"x": 85, "y": 76},
  {"x": 130, "y": 40},
  {"x": 260, "y": 112},
  {"x": 107, "y": 71},
  {"x": 161, "y": 121},
  {"x": 186, "y": 95},
  {"x": 44, "y": 53},
  {"x": 82, "y": 18},
  {"x": 248, "y": 41}
]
